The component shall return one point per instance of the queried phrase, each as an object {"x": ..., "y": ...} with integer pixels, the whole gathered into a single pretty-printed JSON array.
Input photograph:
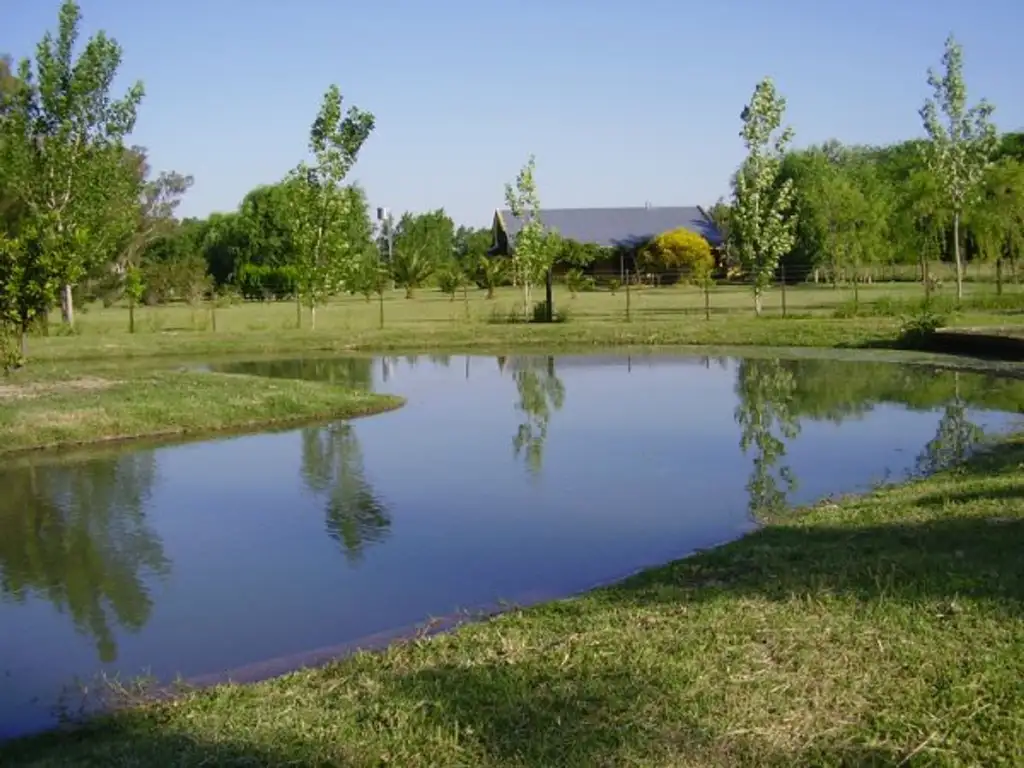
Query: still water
[{"x": 502, "y": 479}]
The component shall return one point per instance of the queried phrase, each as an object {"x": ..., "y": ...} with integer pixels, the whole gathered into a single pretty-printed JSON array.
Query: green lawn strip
[
  {"x": 50, "y": 406},
  {"x": 872, "y": 630},
  {"x": 803, "y": 332}
]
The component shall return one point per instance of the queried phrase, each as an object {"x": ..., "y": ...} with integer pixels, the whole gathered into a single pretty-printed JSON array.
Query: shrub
[
  {"x": 917, "y": 328},
  {"x": 678, "y": 250},
  {"x": 450, "y": 278}
]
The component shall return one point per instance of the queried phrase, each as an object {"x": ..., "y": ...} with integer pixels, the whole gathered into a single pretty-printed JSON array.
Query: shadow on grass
[
  {"x": 140, "y": 745},
  {"x": 519, "y": 715}
]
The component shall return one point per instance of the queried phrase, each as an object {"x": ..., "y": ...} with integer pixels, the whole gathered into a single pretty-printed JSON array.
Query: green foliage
[
  {"x": 369, "y": 275},
  {"x": 430, "y": 234},
  {"x": 64, "y": 157},
  {"x": 916, "y": 329},
  {"x": 614, "y": 285},
  {"x": 575, "y": 254},
  {"x": 492, "y": 272},
  {"x": 411, "y": 269},
  {"x": 450, "y": 277},
  {"x": 134, "y": 285},
  {"x": 762, "y": 222},
  {"x": 678, "y": 250},
  {"x": 264, "y": 283},
  {"x": 962, "y": 140},
  {"x": 533, "y": 252},
  {"x": 576, "y": 281},
  {"x": 471, "y": 245},
  {"x": 319, "y": 203},
  {"x": 27, "y": 283}
]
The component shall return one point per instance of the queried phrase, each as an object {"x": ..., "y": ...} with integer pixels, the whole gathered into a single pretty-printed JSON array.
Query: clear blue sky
[{"x": 622, "y": 102}]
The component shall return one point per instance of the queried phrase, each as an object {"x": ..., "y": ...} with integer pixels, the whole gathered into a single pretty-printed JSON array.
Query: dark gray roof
[{"x": 618, "y": 226}]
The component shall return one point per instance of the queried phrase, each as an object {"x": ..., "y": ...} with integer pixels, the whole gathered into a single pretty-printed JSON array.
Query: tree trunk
[
  {"x": 131, "y": 315},
  {"x": 550, "y": 302},
  {"x": 312, "y": 317},
  {"x": 67, "y": 305},
  {"x": 956, "y": 256},
  {"x": 999, "y": 276},
  {"x": 758, "y": 301},
  {"x": 490, "y": 291},
  {"x": 298, "y": 310}
]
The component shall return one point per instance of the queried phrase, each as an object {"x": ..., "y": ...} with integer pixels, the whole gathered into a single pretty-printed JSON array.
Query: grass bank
[
  {"x": 461, "y": 336},
  {"x": 53, "y": 406},
  {"x": 664, "y": 316},
  {"x": 873, "y": 630}
]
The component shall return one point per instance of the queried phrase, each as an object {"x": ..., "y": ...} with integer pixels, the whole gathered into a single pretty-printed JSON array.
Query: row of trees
[
  {"x": 958, "y": 192},
  {"x": 84, "y": 217}
]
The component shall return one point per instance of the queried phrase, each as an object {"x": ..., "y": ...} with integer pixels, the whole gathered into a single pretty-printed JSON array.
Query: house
[{"x": 624, "y": 229}]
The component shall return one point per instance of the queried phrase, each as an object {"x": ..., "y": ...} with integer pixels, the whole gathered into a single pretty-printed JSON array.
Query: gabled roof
[{"x": 618, "y": 226}]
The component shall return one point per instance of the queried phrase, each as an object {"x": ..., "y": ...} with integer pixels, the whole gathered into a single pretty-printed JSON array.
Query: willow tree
[
  {"x": 962, "y": 141},
  {"x": 320, "y": 202},
  {"x": 763, "y": 221}
]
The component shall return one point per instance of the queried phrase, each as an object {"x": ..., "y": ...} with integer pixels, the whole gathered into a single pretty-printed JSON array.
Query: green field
[
  {"x": 815, "y": 316},
  {"x": 879, "y": 630}
]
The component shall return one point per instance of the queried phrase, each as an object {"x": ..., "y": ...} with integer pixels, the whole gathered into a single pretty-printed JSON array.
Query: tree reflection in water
[
  {"x": 541, "y": 393},
  {"x": 332, "y": 467},
  {"x": 765, "y": 390},
  {"x": 955, "y": 438},
  {"x": 76, "y": 535}
]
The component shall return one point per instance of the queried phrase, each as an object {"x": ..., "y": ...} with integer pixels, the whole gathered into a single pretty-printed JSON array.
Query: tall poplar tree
[
  {"x": 532, "y": 252},
  {"x": 321, "y": 202},
  {"x": 763, "y": 222},
  {"x": 962, "y": 141}
]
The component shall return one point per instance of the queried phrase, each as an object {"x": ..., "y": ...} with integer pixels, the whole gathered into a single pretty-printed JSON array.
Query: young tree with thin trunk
[
  {"x": 68, "y": 154},
  {"x": 961, "y": 142},
  {"x": 532, "y": 252},
  {"x": 763, "y": 221},
  {"x": 320, "y": 202}
]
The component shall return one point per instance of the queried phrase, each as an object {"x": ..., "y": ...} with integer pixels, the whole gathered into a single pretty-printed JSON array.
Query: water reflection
[
  {"x": 654, "y": 455},
  {"x": 765, "y": 390},
  {"x": 332, "y": 468},
  {"x": 955, "y": 438},
  {"x": 540, "y": 394},
  {"x": 349, "y": 372},
  {"x": 76, "y": 535}
]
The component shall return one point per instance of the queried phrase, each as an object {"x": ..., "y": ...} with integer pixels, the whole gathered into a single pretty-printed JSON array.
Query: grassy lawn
[
  {"x": 670, "y": 316},
  {"x": 49, "y": 405},
  {"x": 872, "y": 630}
]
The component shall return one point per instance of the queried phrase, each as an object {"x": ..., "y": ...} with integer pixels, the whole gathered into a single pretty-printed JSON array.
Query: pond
[{"x": 503, "y": 479}]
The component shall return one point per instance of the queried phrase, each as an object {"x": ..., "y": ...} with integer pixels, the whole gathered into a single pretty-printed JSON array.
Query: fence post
[
  {"x": 707, "y": 298},
  {"x": 465, "y": 299},
  {"x": 380, "y": 296},
  {"x": 783, "y": 275},
  {"x": 999, "y": 277},
  {"x": 628, "y": 298}
]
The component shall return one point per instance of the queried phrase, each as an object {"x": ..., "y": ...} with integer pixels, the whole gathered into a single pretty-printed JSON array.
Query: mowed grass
[
  {"x": 48, "y": 406},
  {"x": 885, "y": 629},
  {"x": 668, "y": 316}
]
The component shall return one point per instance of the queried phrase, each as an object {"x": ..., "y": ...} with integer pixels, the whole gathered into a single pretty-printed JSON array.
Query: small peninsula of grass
[
  {"x": 44, "y": 407},
  {"x": 881, "y": 629}
]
